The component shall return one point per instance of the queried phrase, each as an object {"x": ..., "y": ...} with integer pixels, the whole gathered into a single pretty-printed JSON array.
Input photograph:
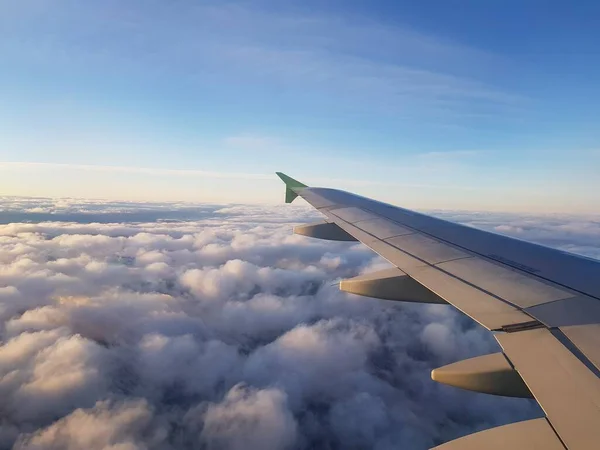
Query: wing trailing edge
[{"x": 529, "y": 434}]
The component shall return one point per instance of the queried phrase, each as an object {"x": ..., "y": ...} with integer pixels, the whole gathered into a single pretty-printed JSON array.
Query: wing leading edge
[{"x": 542, "y": 304}]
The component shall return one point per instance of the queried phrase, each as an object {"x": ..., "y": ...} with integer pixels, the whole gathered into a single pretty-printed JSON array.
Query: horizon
[
  {"x": 297, "y": 205},
  {"x": 453, "y": 107}
]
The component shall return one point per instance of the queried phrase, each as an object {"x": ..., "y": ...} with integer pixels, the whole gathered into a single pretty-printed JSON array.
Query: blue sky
[{"x": 448, "y": 104}]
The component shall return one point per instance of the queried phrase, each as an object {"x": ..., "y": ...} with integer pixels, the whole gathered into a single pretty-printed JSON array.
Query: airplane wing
[{"x": 542, "y": 304}]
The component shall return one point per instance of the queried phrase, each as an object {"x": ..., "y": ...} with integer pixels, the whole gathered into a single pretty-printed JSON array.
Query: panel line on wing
[
  {"x": 426, "y": 248},
  {"x": 415, "y": 262},
  {"x": 375, "y": 226},
  {"x": 580, "y": 310},
  {"x": 485, "y": 291},
  {"x": 570, "y": 345},
  {"x": 484, "y": 257},
  {"x": 455, "y": 259},
  {"x": 587, "y": 339},
  {"x": 556, "y": 432},
  {"x": 491, "y": 312},
  {"x": 436, "y": 266},
  {"x": 534, "y": 282}
]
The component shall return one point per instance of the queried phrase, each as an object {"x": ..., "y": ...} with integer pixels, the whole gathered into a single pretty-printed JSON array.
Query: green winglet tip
[
  {"x": 290, "y": 195},
  {"x": 290, "y": 186},
  {"x": 289, "y": 181}
]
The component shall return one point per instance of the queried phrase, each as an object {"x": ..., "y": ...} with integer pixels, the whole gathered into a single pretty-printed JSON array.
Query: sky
[{"x": 452, "y": 105}]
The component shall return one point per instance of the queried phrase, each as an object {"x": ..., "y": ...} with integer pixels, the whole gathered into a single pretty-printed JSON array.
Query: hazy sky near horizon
[{"x": 472, "y": 105}]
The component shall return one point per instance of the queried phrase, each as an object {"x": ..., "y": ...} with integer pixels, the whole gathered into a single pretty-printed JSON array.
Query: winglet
[{"x": 291, "y": 187}]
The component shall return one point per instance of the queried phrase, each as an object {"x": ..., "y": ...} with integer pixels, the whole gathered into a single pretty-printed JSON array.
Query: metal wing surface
[{"x": 542, "y": 304}]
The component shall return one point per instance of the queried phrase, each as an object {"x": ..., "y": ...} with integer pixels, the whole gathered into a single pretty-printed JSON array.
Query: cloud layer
[{"x": 219, "y": 329}]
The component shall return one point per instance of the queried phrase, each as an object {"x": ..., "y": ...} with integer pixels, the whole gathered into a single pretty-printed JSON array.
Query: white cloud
[
  {"x": 123, "y": 426},
  {"x": 248, "y": 418},
  {"x": 225, "y": 330}
]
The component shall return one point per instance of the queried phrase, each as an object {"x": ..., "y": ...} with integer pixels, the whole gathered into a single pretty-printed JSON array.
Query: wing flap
[
  {"x": 534, "y": 434},
  {"x": 565, "y": 388},
  {"x": 505, "y": 282},
  {"x": 488, "y": 311}
]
